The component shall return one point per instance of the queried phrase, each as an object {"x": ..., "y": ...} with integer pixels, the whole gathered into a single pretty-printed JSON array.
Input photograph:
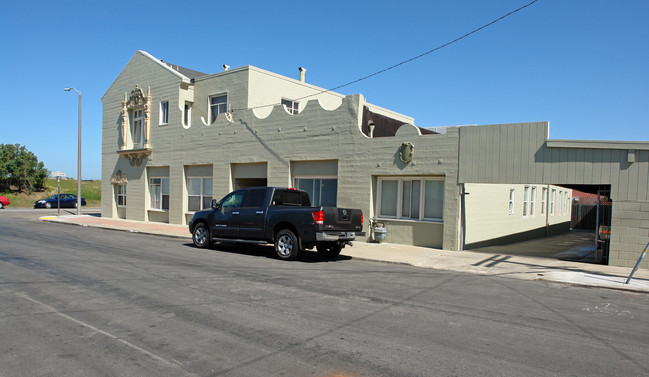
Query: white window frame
[
  {"x": 156, "y": 203},
  {"x": 187, "y": 114},
  {"x": 422, "y": 198},
  {"x": 526, "y": 201},
  {"x": 137, "y": 128},
  {"x": 291, "y": 107},
  {"x": 553, "y": 198},
  {"x": 202, "y": 194},
  {"x": 163, "y": 119},
  {"x": 510, "y": 206},
  {"x": 219, "y": 109},
  {"x": 314, "y": 177},
  {"x": 120, "y": 194},
  {"x": 533, "y": 201},
  {"x": 544, "y": 199}
]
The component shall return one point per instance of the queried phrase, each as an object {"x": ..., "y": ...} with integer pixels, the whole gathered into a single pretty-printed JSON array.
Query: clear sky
[{"x": 582, "y": 65}]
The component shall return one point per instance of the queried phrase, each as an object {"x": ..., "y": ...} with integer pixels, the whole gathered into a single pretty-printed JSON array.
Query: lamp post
[{"x": 78, "y": 156}]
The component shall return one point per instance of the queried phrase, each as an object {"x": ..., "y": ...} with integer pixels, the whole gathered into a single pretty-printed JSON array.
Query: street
[{"x": 81, "y": 301}]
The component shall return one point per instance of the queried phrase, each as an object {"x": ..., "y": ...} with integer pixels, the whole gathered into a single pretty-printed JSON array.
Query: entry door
[{"x": 226, "y": 217}]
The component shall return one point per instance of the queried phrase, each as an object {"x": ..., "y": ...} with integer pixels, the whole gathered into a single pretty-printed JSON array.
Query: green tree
[{"x": 20, "y": 168}]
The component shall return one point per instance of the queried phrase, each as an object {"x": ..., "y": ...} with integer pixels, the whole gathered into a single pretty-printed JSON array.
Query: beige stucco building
[{"x": 173, "y": 139}]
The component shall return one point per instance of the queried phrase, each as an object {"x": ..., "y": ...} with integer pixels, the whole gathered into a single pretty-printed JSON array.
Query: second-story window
[
  {"x": 137, "y": 128},
  {"x": 164, "y": 112},
  {"x": 187, "y": 115},
  {"x": 293, "y": 107},
  {"x": 218, "y": 105}
]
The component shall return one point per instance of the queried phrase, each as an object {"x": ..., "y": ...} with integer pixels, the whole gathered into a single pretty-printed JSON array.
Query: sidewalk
[{"x": 492, "y": 264}]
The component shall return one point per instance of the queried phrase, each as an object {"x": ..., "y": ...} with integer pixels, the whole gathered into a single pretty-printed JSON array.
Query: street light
[{"x": 78, "y": 156}]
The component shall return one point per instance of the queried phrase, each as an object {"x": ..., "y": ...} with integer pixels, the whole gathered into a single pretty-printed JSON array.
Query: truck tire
[
  {"x": 201, "y": 236},
  {"x": 329, "y": 250},
  {"x": 287, "y": 245}
]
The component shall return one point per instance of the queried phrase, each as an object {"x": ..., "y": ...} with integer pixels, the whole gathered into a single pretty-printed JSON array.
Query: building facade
[{"x": 174, "y": 138}]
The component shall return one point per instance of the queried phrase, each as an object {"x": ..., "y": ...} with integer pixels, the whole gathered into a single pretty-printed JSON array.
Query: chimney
[
  {"x": 226, "y": 67},
  {"x": 302, "y": 74}
]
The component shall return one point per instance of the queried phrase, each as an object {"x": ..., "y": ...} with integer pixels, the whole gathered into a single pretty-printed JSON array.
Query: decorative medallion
[{"x": 406, "y": 152}]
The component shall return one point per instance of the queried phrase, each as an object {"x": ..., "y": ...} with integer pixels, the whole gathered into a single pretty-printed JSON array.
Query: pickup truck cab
[{"x": 281, "y": 216}]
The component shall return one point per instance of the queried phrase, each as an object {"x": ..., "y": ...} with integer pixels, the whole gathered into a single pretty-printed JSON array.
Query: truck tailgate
[{"x": 342, "y": 219}]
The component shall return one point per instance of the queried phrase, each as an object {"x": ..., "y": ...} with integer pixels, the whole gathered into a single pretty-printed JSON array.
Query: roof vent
[{"x": 302, "y": 74}]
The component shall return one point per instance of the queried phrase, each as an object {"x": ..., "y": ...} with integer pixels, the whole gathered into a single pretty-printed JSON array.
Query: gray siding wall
[{"x": 522, "y": 153}]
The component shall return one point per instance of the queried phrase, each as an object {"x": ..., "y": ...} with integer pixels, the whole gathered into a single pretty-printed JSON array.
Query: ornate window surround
[{"x": 136, "y": 101}]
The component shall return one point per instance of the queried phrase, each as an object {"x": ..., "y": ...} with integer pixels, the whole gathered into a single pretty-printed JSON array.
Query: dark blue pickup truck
[{"x": 281, "y": 216}]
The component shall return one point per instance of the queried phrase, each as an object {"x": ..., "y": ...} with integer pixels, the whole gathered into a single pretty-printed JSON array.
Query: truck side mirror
[{"x": 214, "y": 204}]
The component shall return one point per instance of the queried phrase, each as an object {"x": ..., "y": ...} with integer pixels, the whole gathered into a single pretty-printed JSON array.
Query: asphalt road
[{"x": 77, "y": 301}]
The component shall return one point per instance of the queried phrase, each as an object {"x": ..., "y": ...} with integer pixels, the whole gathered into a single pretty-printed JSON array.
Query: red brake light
[
  {"x": 318, "y": 217},
  {"x": 291, "y": 188},
  {"x": 361, "y": 218}
]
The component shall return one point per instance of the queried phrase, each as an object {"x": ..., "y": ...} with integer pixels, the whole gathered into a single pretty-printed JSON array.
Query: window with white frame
[
  {"x": 526, "y": 201},
  {"x": 322, "y": 191},
  {"x": 293, "y": 107},
  {"x": 560, "y": 209},
  {"x": 218, "y": 105},
  {"x": 533, "y": 201},
  {"x": 187, "y": 115},
  {"x": 137, "y": 128},
  {"x": 120, "y": 195},
  {"x": 416, "y": 198},
  {"x": 544, "y": 198},
  {"x": 553, "y": 198},
  {"x": 199, "y": 193},
  {"x": 159, "y": 193},
  {"x": 164, "y": 112},
  {"x": 511, "y": 202}
]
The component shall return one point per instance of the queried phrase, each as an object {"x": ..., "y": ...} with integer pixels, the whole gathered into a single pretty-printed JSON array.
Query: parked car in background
[
  {"x": 66, "y": 200},
  {"x": 4, "y": 201}
]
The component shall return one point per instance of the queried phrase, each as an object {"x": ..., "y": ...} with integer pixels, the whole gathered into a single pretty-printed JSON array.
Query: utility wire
[{"x": 411, "y": 59}]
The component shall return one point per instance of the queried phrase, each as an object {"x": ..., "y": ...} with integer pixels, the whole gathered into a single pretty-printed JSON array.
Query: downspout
[{"x": 547, "y": 211}]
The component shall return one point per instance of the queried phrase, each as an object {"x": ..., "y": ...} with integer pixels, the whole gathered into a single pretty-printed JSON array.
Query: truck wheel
[
  {"x": 329, "y": 251},
  {"x": 201, "y": 236},
  {"x": 287, "y": 245}
]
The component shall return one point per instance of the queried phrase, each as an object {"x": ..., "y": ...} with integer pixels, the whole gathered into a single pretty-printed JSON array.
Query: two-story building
[{"x": 174, "y": 138}]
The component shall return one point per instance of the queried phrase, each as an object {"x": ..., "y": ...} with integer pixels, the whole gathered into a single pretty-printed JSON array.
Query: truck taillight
[
  {"x": 361, "y": 218},
  {"x": 318, "y": 217}
]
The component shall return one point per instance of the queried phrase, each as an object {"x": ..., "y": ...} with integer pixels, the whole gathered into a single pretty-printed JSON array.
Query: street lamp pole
[{"x": 78, "y": 156}]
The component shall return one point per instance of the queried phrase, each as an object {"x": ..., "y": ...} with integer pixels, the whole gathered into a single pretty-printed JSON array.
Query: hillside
[{"x": 91, "y": 190}]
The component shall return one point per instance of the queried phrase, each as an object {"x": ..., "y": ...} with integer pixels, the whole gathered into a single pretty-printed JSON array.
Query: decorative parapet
[{"x": 135, "y": 156}]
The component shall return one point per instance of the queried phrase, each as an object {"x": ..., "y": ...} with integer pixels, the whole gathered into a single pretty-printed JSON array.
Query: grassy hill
[{"x": 91, "y": 190}]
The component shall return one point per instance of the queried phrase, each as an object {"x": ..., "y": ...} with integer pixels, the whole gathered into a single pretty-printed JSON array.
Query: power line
[{"x": 411, "y": 59}]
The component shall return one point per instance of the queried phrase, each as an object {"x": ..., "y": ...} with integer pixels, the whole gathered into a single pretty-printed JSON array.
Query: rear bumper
[{"x": 337, "y": 236}]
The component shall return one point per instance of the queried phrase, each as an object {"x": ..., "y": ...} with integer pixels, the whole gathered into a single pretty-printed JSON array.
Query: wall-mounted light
[{"x": 371, "y": 126}]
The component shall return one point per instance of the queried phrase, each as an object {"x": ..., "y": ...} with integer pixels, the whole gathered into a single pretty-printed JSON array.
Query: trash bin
[{"x": 379, "y": 233}]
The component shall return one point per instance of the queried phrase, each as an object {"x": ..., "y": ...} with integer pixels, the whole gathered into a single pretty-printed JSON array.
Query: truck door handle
[
  {"x": 259, "y": 213},
  {"x": 235, "y": 213}
]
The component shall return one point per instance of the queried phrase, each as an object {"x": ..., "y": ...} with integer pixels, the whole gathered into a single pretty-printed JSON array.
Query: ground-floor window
[
  {"x": 411, "y": 198},
  {"x": 120, "y": 195},
  {"x": 159, "y": 192},
  {"x": 322, "y": 191},
  {"x": 199, "y": 193}
]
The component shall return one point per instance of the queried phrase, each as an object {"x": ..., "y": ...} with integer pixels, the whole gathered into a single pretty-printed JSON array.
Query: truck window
[
  {"x": 234, "y": 200},
  {"x": 291, "y": 198},
  {"x": 255, "y": 198}
]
